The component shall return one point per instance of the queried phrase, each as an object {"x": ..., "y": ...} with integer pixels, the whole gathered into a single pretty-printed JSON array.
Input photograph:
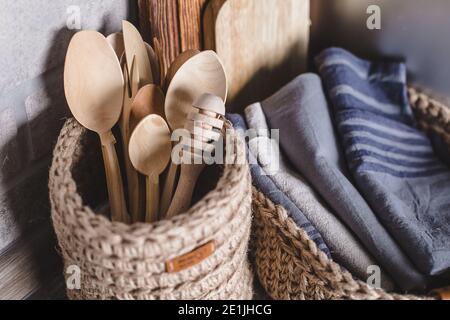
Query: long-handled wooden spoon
[
  {"x": 150, "y": 150},
  {"x": 204, "y": 125},
  {"x": 93, "y": 85},
  {"x": 130, "y": 89},
  {"x": 200, "y": 73},
  {"x": 148, "y": 100}
]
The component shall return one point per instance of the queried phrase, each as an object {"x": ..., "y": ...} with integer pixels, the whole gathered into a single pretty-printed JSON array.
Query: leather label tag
[{"x": 192, "y": 258}]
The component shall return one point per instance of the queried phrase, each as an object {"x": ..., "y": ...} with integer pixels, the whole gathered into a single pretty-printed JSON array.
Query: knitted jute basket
[
  {"x": 119, "y": 261},
  {"x": 289, "y": 264}
]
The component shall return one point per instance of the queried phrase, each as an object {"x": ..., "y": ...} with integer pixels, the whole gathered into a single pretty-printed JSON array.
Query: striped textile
[
  {"x": 264, "y": 184},
  {"x": 393, "y": 163}
]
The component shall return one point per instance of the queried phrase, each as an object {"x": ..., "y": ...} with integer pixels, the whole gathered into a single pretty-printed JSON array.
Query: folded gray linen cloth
[
  {"x": 264, "y": 184},
  {"x": 345, "y": 248},
  {"x": 308, "y": 139},
  {"x": 392, "y": 162}
]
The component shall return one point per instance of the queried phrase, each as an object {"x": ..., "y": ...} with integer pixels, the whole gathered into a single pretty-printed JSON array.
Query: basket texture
[
  {"x": 289, "y": 264},
  {"x": 119, "y": 261}
]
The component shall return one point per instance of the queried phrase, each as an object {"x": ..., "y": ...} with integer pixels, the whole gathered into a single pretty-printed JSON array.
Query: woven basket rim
[
  {"x": 299, "y": 242},
  {"x": 433, "y": 115},
  {"x": 62, "y": 168}
]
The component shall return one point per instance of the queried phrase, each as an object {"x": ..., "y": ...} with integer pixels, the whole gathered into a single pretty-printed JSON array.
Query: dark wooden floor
[{"x": 32, "y": 268}]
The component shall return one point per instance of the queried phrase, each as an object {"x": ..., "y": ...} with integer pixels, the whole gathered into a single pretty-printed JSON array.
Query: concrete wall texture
[{"x": 33, "y": 40}]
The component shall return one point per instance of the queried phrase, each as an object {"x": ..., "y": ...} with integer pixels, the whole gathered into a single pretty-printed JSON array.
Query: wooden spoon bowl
[
  {"x": 93, "y": 84},
  {"x": 148, "y": 100},
  {"x": 150, "y": 150},
  {"x": 93, "y": 81},
  {"x": 177, "y": 64},
  {"x": 115, "y": 40},
  {"x": 202, "y": 73}
]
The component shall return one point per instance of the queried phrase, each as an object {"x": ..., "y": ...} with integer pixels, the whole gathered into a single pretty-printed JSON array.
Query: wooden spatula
[
  {"x": 203, "y": 72},
  {"x": 135, "y": 48},
  {"x": 206, "y": 119},
  {"x": 93, "y": 84}
]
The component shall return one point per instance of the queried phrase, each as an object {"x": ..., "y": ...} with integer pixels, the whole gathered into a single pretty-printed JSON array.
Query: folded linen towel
[
  {"x": 344, "y": 247},
  {"x": 392, "y": 162},
  {"x": 308, "y": 139},
  {"x": 264, "y": 184}
]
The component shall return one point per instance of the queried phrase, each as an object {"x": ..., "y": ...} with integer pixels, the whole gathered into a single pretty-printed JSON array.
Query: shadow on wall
[
  {"x": 25, "y": 161},
  {"x": 268, "y": 81},
  {"x": 415, "y": 30}
]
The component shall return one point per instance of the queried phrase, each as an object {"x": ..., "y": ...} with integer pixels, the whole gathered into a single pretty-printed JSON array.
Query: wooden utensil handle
[
  {"x": 168, "y": 189},
  {"x": 185, "y": 189},
  {"x": 134, "y": 195},
  {"x": 152, "y": 199},
  {"x": 113, "y": 178}
]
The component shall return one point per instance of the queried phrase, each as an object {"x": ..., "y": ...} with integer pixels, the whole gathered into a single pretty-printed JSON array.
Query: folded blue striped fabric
[
  {"x": 392, "y": 162},
  {"x": 264, "y": 184},
  {"x": 308, "y": 139}
]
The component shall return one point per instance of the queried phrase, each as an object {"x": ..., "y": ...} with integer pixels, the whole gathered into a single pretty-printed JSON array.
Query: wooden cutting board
[{"x": 262, "y": 43}]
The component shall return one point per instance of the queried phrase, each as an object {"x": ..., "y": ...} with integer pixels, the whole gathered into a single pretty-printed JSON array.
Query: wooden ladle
[
  {"x": 150, "y": 150},
  {"x": 203, "y": 72},
  {"x": 206, "y": 119},
  {"x": 93, "y": 84}
]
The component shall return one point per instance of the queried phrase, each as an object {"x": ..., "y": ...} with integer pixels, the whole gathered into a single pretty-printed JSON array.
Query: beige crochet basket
[
  {"x": 289, "y": 264},
  {"x": 119, "y": 261}
]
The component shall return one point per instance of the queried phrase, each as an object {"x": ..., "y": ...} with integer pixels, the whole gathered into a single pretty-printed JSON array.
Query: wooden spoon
[
  {"x": 154, "y": 64},
  {"x": 135, "y": 47},
  {"x": 206, "y": 116},
  {"x": 176, "y": 65},
  {"x": 130, "y": 89},
  {"x": 150, "y": 150},
  {"x": 148, "y": 100},
  {"x": 115, "y": 40},
  {"x": 201, "y": 73},
  {"x": 93, "y": 84}
]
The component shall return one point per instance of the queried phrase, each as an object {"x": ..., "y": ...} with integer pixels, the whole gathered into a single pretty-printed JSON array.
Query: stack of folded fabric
[
  {"x": 392, "y": 161},
  {"x": 371, "y": 192},
  {"x": 267, "y": 186}
]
